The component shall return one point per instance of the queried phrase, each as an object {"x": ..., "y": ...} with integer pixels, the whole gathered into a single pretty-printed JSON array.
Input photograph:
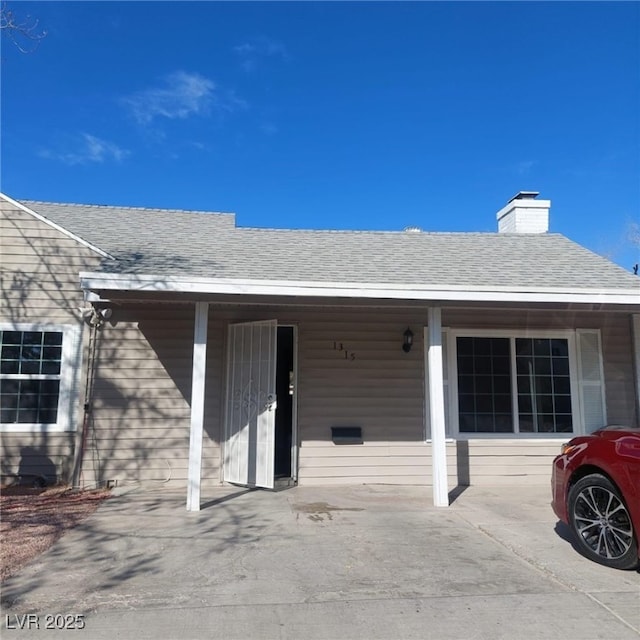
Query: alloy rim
[{"x": 603, "y": 522}]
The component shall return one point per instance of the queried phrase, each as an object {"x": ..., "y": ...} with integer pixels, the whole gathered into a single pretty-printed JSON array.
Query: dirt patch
[{"x": 31, "y": 520}]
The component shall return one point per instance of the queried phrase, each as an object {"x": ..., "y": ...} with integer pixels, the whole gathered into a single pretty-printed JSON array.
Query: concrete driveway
[{"x": 355, "y": 562}]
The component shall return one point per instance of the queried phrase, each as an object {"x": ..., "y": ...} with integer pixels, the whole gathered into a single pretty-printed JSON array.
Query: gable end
[{"x": 57, "y": 227}]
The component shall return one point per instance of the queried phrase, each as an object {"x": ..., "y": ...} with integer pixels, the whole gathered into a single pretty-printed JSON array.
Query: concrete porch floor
[{"x": 337, "y": 562}]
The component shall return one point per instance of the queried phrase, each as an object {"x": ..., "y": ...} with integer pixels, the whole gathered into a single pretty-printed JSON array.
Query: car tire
[{"x": 600, "y": 521}]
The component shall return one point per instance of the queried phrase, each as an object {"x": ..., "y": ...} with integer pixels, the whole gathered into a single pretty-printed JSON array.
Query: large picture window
[
  {"x": 38, "y": 377},
  {"x": 543, "y": 385},
  {"x": 528, "y": 384},
  {"x": 484, "y": 385}
]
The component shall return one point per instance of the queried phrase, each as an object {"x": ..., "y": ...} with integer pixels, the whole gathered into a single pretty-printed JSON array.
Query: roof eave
[{"x": 96, "y": 281}]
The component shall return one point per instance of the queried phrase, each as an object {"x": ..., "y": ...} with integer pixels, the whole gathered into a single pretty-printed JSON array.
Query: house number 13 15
[{"x": 348, "y": 355}]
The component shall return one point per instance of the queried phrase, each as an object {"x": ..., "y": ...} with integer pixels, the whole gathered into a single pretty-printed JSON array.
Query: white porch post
[
  {"x": 635, "y": 319},
  {"x": 197, "y": 405},
  {"x": 436, "y": 409}
]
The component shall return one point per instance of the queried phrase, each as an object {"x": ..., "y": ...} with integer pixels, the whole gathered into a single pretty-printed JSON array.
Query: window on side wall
[
  {"x": 528, "y": 384},
  {"x": 39, "y": 372}
]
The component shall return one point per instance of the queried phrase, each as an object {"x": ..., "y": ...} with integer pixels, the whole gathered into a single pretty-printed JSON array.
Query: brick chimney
[{"x": 524, "y": 214}]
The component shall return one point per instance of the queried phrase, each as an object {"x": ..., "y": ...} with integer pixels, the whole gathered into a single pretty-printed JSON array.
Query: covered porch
[{"x": 350, "y": 369}]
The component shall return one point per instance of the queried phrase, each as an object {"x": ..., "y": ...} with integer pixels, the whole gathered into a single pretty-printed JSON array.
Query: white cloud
[
  {"x": 252, "y": 50},
  {"x": 183, "y": 95},
  {"x": 244, "y": 49},
  {"x": 84, "y": 149}
]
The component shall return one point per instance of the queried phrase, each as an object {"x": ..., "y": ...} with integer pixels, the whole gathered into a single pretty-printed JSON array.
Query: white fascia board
[
  {"x": 140, "y": 283},
  {"x": 55, "y": 226}
]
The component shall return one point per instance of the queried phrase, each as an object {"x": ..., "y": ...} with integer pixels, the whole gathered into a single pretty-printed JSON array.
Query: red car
[{"x": 596, "y": 491}]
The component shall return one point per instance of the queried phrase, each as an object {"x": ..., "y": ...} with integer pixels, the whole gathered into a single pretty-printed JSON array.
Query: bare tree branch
[{"x": 25, "y": 32}]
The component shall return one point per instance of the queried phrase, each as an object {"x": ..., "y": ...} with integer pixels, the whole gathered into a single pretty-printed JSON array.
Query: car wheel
[{"x": 601, "y": 522}]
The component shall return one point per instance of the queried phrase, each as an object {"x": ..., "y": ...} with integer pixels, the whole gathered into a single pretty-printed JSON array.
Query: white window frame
[
  {"x": 574, "y": 381},
  {"x": 70, "y": 368}
]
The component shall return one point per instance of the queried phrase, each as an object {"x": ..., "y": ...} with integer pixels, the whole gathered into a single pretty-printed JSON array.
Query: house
[{"x": 173, "y": 347}]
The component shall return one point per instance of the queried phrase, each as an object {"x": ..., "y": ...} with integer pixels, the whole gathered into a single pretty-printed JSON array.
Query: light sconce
[
  {"x": 408, "y": 340},
  {"x": 96, "y": 317}
]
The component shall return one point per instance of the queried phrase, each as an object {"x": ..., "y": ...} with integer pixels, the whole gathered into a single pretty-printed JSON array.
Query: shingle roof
[{"x": 201, "y": 244}]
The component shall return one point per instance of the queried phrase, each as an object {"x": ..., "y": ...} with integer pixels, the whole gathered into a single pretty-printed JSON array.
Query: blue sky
[{"x": 333, "y": 115}]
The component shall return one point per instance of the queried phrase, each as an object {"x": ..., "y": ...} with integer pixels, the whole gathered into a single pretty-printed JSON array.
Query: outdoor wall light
[
  {"x": 408, "y": 340},
  {"x": 96, "y": 317}
]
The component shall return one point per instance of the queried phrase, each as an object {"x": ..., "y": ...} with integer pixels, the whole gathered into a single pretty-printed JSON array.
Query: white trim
[
  {"x": 513, "y": 438},
  {"x": 295, "y": 442},
  {"x": 446, "y": 368},
  {"x": 562, "y": 437},
  {"x": 516, "y": 435},
  {"x": 575, "y": 382},
  {"x": 33, "y": 428},
  {"x": 55, "y": 226},
  {"x": 70, "y": 369},
  {"x": 197, "y": 404},
  {"x": 436, "y": 408},
  {"x": 426, "y": 410},
  {"x": 241, "y": 286},
  {"x": 446, "y": 372},
  {"x": 515, "y": 333},
  {"x": 584, "y": 384}
]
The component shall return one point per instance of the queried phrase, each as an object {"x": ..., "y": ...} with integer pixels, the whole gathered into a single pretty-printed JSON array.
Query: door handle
[{"x": 271, "y": 401}]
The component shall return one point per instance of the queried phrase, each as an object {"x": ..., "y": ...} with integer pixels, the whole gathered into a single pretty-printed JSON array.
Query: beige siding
[
  {"x": 505, "y": 462},
  {"x": 39, "y": 283},
  {"x": 39, "y": 271},
  {"x": 139, "y": 430},
  {"x": 380, "y": 397},
  {"x": 404, "y": 463},
  {"x": 37, "y": 454},
  {"x": 142, "y": 415},
  {"x": 618, "y": 370},
  {"x": 380, "y": 389}
]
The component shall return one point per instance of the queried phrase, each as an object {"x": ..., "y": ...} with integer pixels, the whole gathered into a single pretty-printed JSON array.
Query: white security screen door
[{"x": 251, "y": 404}]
